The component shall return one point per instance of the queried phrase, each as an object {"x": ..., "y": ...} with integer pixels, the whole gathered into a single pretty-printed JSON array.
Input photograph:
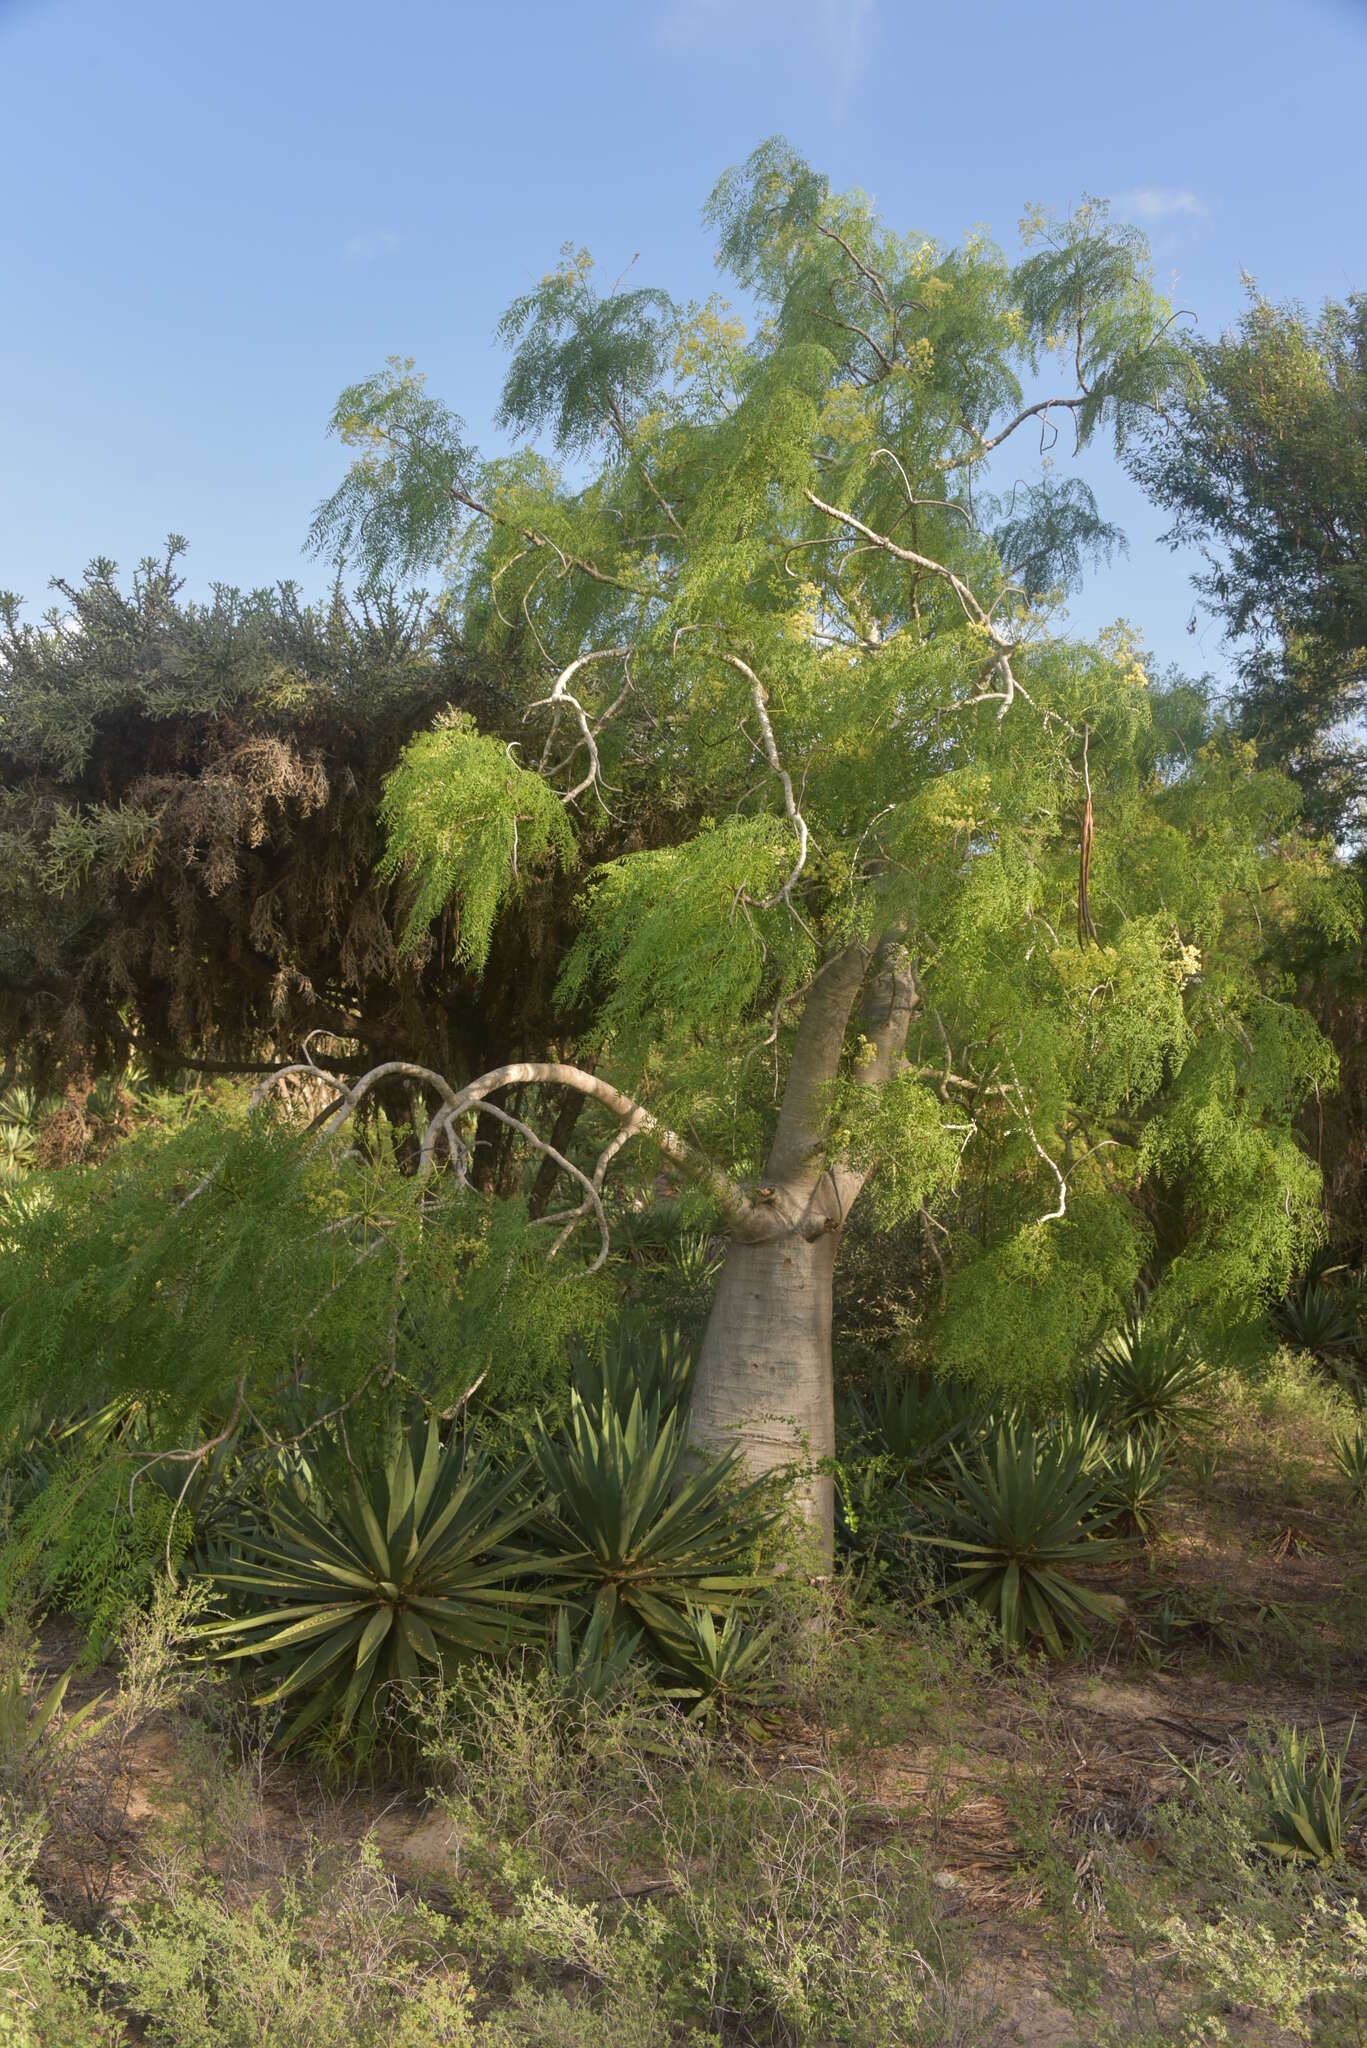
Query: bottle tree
[{"x": 888, "y": 890}]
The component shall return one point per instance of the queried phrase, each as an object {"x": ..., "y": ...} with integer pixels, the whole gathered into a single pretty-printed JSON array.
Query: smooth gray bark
[{"x": 765, "y": 1378}]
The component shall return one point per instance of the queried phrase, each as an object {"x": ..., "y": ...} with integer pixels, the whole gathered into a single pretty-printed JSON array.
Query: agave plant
[
  {"x": 1319, "y": 1318},
  {"x": 1205, "y": 1466},
  {"x": 1155, "y": 1378},
  {"x": 410, "y": 1567},
  {"x": 29, "y": 1728},
  {"x": 1299, "y": 1790},
  {"x": 914, "y": 1426},
  {"x": 21, "y": 1118},
  {"x": 1079, "y": 1440},
  {"x": 695, "y": 1261},
  {"x": 18, "y": 1151},
  {"x": 720, "y": 1666},
  {"x": 1350, "y": 1455},
  {"x": 656, "y": 1364},
  {"x": 210, "y": 1501},
  {"x": 1089, "y": 1397},
  {"x": 594, "y": 1666},
  {"x": 1136, "y": 1480},
  {"x": 634, "y": 1513},
  {"x": 1018, "y": 1525}
]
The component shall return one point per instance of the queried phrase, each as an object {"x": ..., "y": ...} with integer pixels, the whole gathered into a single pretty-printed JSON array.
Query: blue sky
[{"x": 216, "y": 215}]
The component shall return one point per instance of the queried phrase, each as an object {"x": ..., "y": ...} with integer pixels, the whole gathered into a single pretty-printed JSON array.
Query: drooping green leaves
[
  {"x": 1022, "y": 1313},
  {"x": 395, "y": 509},
  {"x": 1087, "y": 298},
  {"x": 232, "y": 1251},
  {"x": 679, "y": 935},
  {"x": 583, "y": 361},
  {"x": 467, "y": 824},
  {"x": 903, "y": 1135}
]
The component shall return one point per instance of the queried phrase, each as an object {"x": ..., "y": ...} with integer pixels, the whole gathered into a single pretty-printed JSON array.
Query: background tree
[
  {"x": 189, "y": 801},
  {"x": 1263, "y": 463}
]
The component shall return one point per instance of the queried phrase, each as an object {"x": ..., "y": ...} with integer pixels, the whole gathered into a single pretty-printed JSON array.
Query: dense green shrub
[
  {"x": 336, "y": 1958},
  {"x": 45, "y": 1969}
]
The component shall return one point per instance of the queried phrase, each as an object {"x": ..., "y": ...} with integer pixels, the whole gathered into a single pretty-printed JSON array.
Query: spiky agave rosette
[
  {"x": 411, "y": 1568},
  {"x": 1021, "y": 1521}
]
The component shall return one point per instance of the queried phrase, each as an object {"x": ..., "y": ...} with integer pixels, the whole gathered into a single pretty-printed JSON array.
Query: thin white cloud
[
  {"x": 835, "y": 33},
  {"x": 368, "y": 248},
  {"x": 1161, "y": 205}
]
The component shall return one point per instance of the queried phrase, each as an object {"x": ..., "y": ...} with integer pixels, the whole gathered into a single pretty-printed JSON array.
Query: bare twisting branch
[
  {"x": 1054, "y": 1215},
  {"x": 562, "y": 697},
  {"x": 790, "y": 805}
]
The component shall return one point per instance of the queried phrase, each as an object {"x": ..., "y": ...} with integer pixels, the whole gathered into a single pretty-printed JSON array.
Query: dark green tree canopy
[
  {"x": 189, "y": 799},
  {"x": 1263, "y": 463}
]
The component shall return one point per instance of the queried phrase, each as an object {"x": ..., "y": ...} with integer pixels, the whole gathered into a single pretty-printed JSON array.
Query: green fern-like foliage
[
  {"x": 467, "y": 824},
  {"x": 93, "y": 1540},
  {"x": 1020, "y": 1315},
  {"x": 651, "y": 931},
  {"x": 229, "y": 1253},
  {"x": 825, "y": 714}
]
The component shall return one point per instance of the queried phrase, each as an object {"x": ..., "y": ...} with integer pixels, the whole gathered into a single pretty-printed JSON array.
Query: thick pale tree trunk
[{"x": 765, "y": 1377}]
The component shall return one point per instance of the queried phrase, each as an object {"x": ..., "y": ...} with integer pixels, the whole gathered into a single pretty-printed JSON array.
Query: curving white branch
[
  {"x": 973, "y": 610},
  {"x": 447, "y": 1120},
  {"x": 455, "y": 1103},
  {"x": 562, "y": 695},
  {"x": 795, "y": 818},
  {"x": 1057, "y": 1214}
]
